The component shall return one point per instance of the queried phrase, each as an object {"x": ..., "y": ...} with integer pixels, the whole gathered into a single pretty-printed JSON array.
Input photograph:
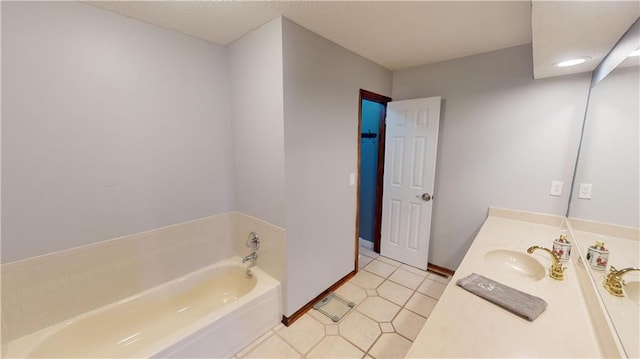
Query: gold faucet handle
[{"x": 557, "y": 271}]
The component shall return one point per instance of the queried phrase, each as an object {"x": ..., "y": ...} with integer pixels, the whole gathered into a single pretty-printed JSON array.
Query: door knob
[{"x": 425, "y": 197}]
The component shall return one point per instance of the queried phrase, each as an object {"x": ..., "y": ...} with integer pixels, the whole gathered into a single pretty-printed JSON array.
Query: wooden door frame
[{"x": 381, "y": 99}]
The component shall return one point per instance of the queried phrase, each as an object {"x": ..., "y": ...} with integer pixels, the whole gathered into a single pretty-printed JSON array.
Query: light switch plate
[
  {"x": 584, "y": 191},
  {"x": 556, "y": 188}
]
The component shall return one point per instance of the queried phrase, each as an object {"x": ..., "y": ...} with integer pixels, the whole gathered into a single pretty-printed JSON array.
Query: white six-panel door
[{"x": 409, "y": 171}]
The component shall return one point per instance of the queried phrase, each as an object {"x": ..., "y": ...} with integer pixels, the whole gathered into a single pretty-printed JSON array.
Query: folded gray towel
[{"x": 513, "y": 300}]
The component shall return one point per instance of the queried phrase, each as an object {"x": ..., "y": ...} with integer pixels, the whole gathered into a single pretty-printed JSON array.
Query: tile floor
[{"x": 393, "y": 301}]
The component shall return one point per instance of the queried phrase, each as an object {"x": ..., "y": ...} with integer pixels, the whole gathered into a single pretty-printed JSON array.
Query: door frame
[{"x": 381, "y": 99}]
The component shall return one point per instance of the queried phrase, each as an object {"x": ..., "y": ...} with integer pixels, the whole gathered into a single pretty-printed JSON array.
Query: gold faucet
[
  {"x": 614, "y": 283},
  {"x": 557, "y": 270}
]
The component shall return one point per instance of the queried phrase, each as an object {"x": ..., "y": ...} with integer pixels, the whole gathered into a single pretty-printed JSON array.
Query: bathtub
[{"x": 213, "y": 312}]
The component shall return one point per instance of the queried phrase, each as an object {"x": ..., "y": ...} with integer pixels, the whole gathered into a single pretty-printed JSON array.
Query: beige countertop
[{"x": 464, "y": 325}]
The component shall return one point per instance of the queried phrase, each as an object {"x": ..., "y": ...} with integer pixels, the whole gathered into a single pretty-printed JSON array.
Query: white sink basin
[
  {"x": 514, "y": 263},
  {"x": 632, "y": 291}
]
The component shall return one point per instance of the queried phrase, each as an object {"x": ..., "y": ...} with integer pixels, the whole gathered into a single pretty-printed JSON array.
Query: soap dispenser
[{"x": 562, "y": 246}]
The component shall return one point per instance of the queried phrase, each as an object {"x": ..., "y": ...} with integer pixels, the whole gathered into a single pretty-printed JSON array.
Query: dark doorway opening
[{"x": 371, "y": 123}]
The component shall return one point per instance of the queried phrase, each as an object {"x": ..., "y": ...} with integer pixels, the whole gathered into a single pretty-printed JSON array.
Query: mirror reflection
[
  {"x": 605, "y": 202},
  {"x": 607, "y": 176}
]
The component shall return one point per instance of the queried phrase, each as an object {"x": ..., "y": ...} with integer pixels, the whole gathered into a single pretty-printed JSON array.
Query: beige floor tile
[
  {"x": 406, "y": 278},
  {"x": 394, "y": 292},
  {"x": 359, "y": 330},
  {"x": 351, "y": 293},
  {"x": 366, "y": 280},
  {"x": 408, "y": 324},
  {"x": 414, "y": 270},
  {"x": 421, "y": 304},
  {"x": 378, "y": 309},
  {"x": 372, "y": 292},
  {"x": 273, "y": 347},
  {"x": 380, "y": 268},
  {"x": 331, "y": 329},
  {"x": 303, "y": 334},
  {"x": 438, "y": 278},
  {"x": 367, "y": 252},
  {"x": 389, "y": 261},
  {"x": 386, "y": 327},
  {"x": 335, "y": 347},
  {"x": 254, "y": 344},
  {"x": 390, "y": 345},
  {"x": 432, "y": 288},
  {"x": 363, "y": 261}
]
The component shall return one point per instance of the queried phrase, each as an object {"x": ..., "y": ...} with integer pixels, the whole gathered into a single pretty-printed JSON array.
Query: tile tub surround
[
  {"x": 464, "y": 325},
  {"x": 40, "y": 291},
  {"x": 387, "y": 317}
]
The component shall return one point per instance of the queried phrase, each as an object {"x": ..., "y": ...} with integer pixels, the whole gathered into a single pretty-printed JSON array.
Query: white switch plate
[
  {"x": 556, "y": 188},
  {"x": 584, "y": 191},
  {"x": 352, "y": 179}
]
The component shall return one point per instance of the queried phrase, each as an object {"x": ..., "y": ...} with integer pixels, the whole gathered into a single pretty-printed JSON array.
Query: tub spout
[{"x": 250, "y": 258}]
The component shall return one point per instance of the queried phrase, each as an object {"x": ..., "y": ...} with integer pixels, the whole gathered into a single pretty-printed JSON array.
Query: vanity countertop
[{"x": 464, "y": 325}]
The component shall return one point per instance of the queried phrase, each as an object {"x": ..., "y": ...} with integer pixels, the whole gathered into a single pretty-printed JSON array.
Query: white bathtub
[{"x": 213, "y": 312}]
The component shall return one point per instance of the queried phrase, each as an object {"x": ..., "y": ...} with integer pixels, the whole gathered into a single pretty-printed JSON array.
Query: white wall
[
  {"x": 255, "y": 65},
  {"x": 321, "y": 89},
  {"x": 610, "y": 156},
  {"x": 503, "y": 138},
  {"x": 110, "y": 127}
]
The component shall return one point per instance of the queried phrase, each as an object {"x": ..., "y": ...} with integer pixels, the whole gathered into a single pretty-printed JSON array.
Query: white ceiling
[
  {"x": 399, "y": 34},
  {"x": 565, "y": 30}
]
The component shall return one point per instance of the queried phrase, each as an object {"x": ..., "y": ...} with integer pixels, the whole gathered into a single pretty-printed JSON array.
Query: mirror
[{"x": 605, "y": 199}]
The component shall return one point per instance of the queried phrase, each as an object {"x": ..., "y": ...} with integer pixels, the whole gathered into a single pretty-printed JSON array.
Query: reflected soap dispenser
[
  {"x": 562, "y": 246},
  {"x": 598, "y": 255}
]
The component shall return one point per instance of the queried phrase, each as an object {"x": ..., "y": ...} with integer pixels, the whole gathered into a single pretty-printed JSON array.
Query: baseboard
[
  {"x": 300, "y": 312},
  {"x": 440, "y": 270}
]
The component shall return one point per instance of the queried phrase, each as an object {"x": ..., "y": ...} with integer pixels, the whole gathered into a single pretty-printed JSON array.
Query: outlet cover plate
[
  {"x": 584, "y": 191},
  {"x": 556, "y": 188}
]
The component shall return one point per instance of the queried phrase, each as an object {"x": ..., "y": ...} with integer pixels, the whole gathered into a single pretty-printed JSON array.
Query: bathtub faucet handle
[{"x": 253, "y": 241}]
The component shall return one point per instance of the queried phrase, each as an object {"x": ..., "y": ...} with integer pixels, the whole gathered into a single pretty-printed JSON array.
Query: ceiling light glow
[{"x": 572, "y": 62}]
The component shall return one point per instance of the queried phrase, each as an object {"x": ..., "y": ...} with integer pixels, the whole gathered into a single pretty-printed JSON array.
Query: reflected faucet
[
  {"x": 614, "y": 283},
  {"x": 557, "y": 270}
]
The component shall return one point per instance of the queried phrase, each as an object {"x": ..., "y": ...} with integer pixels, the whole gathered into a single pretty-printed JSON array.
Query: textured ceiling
[
  {"x": 399, "y": 34},
  {"x": 565, "y": 30},
  {"x": 394, "y": 34}
]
